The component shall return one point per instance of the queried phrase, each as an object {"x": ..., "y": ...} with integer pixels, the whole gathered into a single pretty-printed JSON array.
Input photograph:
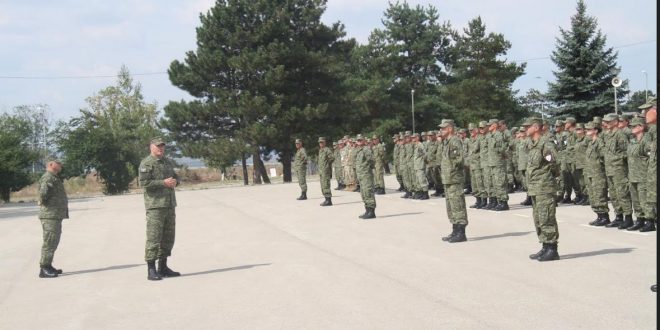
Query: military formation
[{"x": 610, "y": 159}]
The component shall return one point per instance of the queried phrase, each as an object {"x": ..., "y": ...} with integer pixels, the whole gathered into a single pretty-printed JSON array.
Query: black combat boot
[
  {"x": 357, "y": 188},
  {"x": 47, "y": 272},
  {"x": 165, "y": 271},
  {"x": 437, "y": 193},
  {"x": 407, "y": 195},
  {"x": 152, "y": 273},
  {"x": 401, "y": 188},
  {"x": 460, "y": 235},
  {"x": 424, "y": 195},
  {"x": 567, "y": 199},
  {"x": 370, "y": 213},
  {"x": 627, "y": 222},
  {"x": 585, "y": 200},
  {"x": 649, "y": 225},
  {"x": 595, "y": 221},
  {"x": 327, "y": 202},
  {"x": 454, "y": 228},
  {"x": 58, "y": 271},
  {"x": 603, "y": 221},
  {"x": 638, "y": 224},
  {"x": 577, "y": 200},
  {"x": 366, "y": 210},
  {"x": 617, "y": 221},
  {"x": 379, "y": 191},
  {"x": 502, "y": 206},
  {"x": 550, "y": 253},
  {"x": 527, "y": 201},
  {"x": 483, "y": 201},
  {"x": 476, "y": 203},
  {"x": 536, "y": 255},
  {"x": 303, "y": 196},
  {"x": 492, "y": 204}
]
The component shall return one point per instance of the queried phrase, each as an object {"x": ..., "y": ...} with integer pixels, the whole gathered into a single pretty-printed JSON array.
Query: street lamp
[
  {"x": 412, "y": 100},
  {"x": 646, "y": 85}
]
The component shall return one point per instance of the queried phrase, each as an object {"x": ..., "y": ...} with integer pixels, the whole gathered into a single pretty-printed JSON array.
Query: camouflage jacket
[
  {"x": 364, "y": 162},
  {"x": 52, "y": 198},
  {"x": 379, "y": 155},
  {"x": 616, "y": 152},
  {"x": 496, "y": 149},
  {"x": 419, "y": 156},
  {"x": 594, "y": 161},
  {"x": 521, "y": 153},
  {"x": 541, "y": 167},
  {"x": 451, "y": 167},
  {"x": 579, "y": 152},
  {"x": 474, "y": 153},
  {"x": 152, "y": 173},
  {"x": 300, "y": 159},
  {"x": 326, "y": 157},
  {"x": 637, "y": 161}
]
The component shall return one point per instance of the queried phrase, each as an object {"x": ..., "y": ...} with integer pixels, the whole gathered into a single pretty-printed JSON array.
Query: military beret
[
  {"x": 579, "y": 125},
  {"x": 298, "y": 141},
  {"x": 446, "y": 123},
  {"x": 637, "y": 121},
  {"x": 651, "y": 102},
  {"x": 570, "y": 120},
  {"x": 558, "y": 122},
  {"x": 625, "y": 117},
  {"x": 321, "y": 139},
  {"x": 590, "y": 125},
  {"x": 493, "y": 121},
  {"x": 158, "y": 140},
  {"x": 611, "y": 117}
]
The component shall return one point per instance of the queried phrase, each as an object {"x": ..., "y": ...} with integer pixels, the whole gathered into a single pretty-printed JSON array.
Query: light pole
[
  {"x": 646, "y": 85},
  {"x": 412, "y": 100}
]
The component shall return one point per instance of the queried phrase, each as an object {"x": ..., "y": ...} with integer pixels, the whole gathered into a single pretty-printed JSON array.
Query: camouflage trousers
[
  {"x": 545, "y": 221},
  {"x": 567, "y": 179},
  {"x": 638, "y": 198},
  {"x": 301, "y": 175},
  {"x": 650, "y": 205},
  {"x": 161, "y": 226},
  {"x": 325, "y": 184},
  {"x": 522, "y": 178},
  {"x": 52, "y": 231},
  {"x": 498, "y": 181},
  {"x": 407, "y": 178},
  {"x": 468, "y": 177},
  {"x": 397, "y": 173},
  {"x": 421, "y": 183},
  {"x": 509, "y": 171},
  {"x": 598, "y": 194},
  {"x": 433, "y": 172},
  {"x": 488, "y": 182},
  {"x": 580, "y": 182},
  {"x": 339, "y": 174},
  {"x": 349, "y": 178},
  {"x": 477, "y": 183},
  {"x": 379, "y": 176},
  {"x": 617, "y": 182},
  {"x": 366, "y": 189},
  {"x": 455, "y": 201}
]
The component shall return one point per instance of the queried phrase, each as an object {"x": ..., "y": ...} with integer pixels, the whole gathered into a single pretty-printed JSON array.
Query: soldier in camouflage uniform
[
  {"x": 649, "y": 147},
  {"x": 521, "y": 147},
  {"x": 473, "y": 159},
  {"x": 326, "y": 157},
  {"x": 541, "y": 170},
  {"x": 53, "y": 208},
  {"x": 558, "y": 138},
  {"x": 452, "y": 177},
  {"x": 421, "y": 184},
  {"x": 395, "y": 161},
  {"x": 405, "y": 160},
  {"x": 158, "y": 179},
  {"x": 378, "y": 150},
  {"x": 624, "y": 122},
  {"x": 300, "y": 166},
  {"x": 485, "y": 168},
  {"x": 595, "y": 178},
  {"x": 637, "y": 171},
  {"x": 431, "y": 163},
  {"x": 568, "y": 161},
  {"x": 364, "y": 164},
  {"x": 345, "y": 164},
  {"x": 579, "y": 153},
  {"x": 508, "y": 157},
  {"x": 467, "y": 185},
  {"x": 616, "y": 169},
  {"x": 497, "y": 164},
  {"x": 336, "y": 164}
]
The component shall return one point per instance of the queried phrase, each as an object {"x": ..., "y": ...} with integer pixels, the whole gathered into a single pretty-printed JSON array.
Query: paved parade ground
[{"x": 255, "y": 258}]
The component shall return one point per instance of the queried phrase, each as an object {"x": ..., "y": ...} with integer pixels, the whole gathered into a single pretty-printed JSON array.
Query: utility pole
[{"x": 646, "y": 85}]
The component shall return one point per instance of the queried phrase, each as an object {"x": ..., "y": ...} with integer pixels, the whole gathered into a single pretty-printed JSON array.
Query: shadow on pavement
[
  {"x": 513, "y": 234},
  {"x": 220, "y": 270},
  {"x": 358, "y": 202},
  {"x": 595, "y": 253},
  {"x": 397, "y": 215},
  {"x": 78, "y": 272}
]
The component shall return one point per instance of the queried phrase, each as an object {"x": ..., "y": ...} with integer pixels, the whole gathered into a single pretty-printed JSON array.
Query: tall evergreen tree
[
  {"x": 481, "y": 82},
  {"x": 264, "y": 72},
  {"x": 585, "y": 70}
]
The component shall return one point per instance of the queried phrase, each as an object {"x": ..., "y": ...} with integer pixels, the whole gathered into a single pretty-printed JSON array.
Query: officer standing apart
[
  {"x": 451, "y": 170},
  {"x": 158, "y": 180},
  {"x": 541, "y": 187},
  {"x": 53, "y": 207},
  {"x": 326, "y": 157},
  {"x": 300, "y": 165},
  {"x": 364, "y": 164}
]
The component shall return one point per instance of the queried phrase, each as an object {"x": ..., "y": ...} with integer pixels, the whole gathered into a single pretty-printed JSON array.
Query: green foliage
[
  {"x": 481, "y": 82},
  {"x": 585, "y": 70},
  {"x": 264, "y": 72},
  {"x": 636, "y": 99},
  {"x": 16, "y": 155},
  {"x": 111, "y": 136}
]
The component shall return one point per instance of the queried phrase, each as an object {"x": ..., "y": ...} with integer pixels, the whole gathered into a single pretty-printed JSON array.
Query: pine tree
[{"x": 585, "y": 70}]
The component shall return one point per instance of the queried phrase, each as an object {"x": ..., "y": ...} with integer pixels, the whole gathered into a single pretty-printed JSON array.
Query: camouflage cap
[
  {"x": 431, "y": 132},
  {"x": 570, "y": 120},
  {"x": 415, "y": 135},
  {"x": 579, "y": 126},
  {"x": 597, "y": 120},
  {"x": 590, "y": 125},
  {"x": 533, "y": 120},
  {"x": 334, "y": 144},
  {"x": 359, "y": 137},
  {"x": 158, "y": 140},
  {"x": 483, "y": 124},
  {"x": 298, "y": 141},
  {"x": 493, "y": 121},
  {"x": 514, "y": 129},
  {"x": 651, "y": 102},
  {"x": 625, "y": 117},
  {"x": 525, "y": 123},
  {"x": 446, "y": 123},
  {"x": 346, "y": 137},
  {"x": 53, "y": 159},
  {"x": 501, "y": 121},
  {"x": 423, "y": 133},
  {"x": 637, "y": 121},
  {"x": 462, "y": 130},
  {"x": 611, "y": 117},
  {"x": 559, "y": 122},
  {"x": 471, "y": 126},
  {"x": 395, "y": 136},
  {"x": 321, "y": 139},
  {"x": 375, "y": 137},
  {"x": 407, "y": 133}
]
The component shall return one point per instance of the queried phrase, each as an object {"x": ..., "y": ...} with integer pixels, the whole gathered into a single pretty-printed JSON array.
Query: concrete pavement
[{"x": 255, "y": 258}]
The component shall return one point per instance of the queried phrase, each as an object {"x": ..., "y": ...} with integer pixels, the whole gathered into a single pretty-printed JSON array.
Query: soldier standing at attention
[
  {"x": 522, "y": 161},
  {"x": 557, "y": 137},
  {"x": 300, "y": 166},
  {"x": 496, "y": 161},
  {"x": 579, "y": 153},
  {"x": 485, "y": 169},
  {"x": 395, "y": 161},
  {"x": 650, "y": 148},
  {"x": 352, "y": 169},
  {"x": 431, "y": 165},
  {"x": 453, "y": 179},
  {"x": 637, "y": 171},
  {"x": 346, "y": 172},
  {"x": 379, "y": 171},
  {"x": 475, "y": 166},
  {"x": 595, "y": 177},
  {"x": 326, "y": 157},
  {"x": 421, "y": 184},
  {"x": 364, "y": 164},
  {"x": 568, "y": 161},
  {"x": 158, "y": 180},
  {"x": 541, "y": 166},
  {"x": 336, "y": 164},
  {"x": 462, "y": 134},
  {"x": 616, "y": 169},
  {"x": 53, "y": 208}
]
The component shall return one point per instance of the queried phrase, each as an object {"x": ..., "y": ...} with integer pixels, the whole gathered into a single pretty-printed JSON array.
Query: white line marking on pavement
[{"x": 522, "y": 215}]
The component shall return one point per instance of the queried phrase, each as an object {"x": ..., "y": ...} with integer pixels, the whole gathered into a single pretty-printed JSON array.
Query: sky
[{"x": 87, "y": 41}]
